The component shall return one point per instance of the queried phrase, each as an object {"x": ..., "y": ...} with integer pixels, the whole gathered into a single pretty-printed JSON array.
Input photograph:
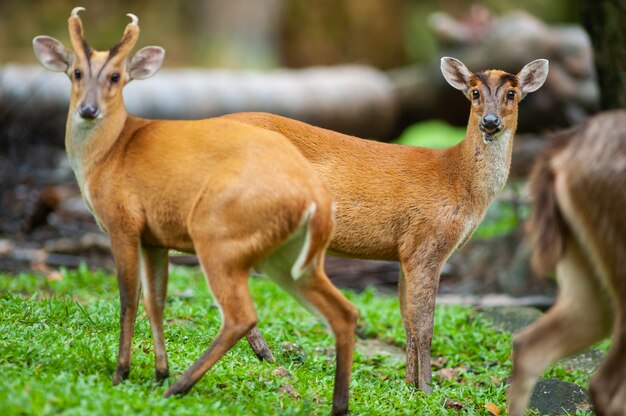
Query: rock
[
  {"x": 556, "y": 397},
  {"x": 511, "y": 318},
  {"x": 587, "y": 361}
]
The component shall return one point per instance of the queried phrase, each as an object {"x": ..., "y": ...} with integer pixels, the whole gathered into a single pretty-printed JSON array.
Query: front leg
[
  {"x": 418, "y": 290},
  {"x": 126, "y": 255}
]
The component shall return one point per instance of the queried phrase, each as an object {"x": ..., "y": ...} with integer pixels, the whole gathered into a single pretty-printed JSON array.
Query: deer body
[
  {"x": 390, "y": 196},
  {"x": 578, "y": 227},
  {"x": 236, "y": 195},
  {"x": 416, "y": 205}
]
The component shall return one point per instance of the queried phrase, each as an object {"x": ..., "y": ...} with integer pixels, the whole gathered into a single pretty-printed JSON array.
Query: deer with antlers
[{"x": 237, "y": 195}]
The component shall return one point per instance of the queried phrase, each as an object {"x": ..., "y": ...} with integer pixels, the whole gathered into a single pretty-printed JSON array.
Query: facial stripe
[
  {"x": 485, "y": 79},
  {"x": 512, "y": 79}
]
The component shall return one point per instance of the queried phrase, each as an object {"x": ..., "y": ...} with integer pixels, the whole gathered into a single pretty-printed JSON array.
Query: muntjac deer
[
  {"x": 239, "y": 196},
  {"x": 578, "y": 227},
  {"x": 416, "y": 205}
]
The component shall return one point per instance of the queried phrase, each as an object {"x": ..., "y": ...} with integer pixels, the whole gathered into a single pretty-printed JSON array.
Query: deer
[
  {"x": 411, "y": 204},
  {"x": 238, "y": 196},
  {"x": 578, "y": 229}
]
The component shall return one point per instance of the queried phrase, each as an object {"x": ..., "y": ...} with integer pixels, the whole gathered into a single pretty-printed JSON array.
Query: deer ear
[
  {"x": 146, "y": 62},
  {"x": 455, "y": 72},
  {"x": 52, "y": 54},
  {"x": 533, "y": 75}
]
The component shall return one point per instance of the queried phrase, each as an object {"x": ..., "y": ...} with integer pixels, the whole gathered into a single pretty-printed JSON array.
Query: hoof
[
  {"x": 160, "y": 376},
  {"x": 120, "y": 375}
]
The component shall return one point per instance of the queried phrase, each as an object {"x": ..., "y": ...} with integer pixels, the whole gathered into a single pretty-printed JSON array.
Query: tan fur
[
  {"x": 587, "y": 182},
  {"x": 411, "y": 204},
  {"x": 235, "y": 194}
]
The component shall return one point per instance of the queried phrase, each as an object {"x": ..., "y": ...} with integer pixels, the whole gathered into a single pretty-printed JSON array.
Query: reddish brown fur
[
  {"x": 583, "y": 179},
  {"x": 239, "y": 196},
  {"x": 411, "y": 204}
]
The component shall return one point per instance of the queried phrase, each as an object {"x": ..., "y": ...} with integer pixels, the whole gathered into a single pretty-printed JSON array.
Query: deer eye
[
  {"x": 510, "y": 95},
  {"x": 115, "y": 77},
  {"x": 77, "y": 74},
  {"x": 475, "y": 94}
]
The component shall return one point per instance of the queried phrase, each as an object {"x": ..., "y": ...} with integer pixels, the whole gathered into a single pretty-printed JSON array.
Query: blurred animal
[{"x": 578, "y": 227}]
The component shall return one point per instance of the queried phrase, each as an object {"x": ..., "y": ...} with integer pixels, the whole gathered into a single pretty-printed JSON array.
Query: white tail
[
  {"x": 413, "y": 204},
  {"x": 579, "y": 227},
  {"x": 235, "y": 194}
]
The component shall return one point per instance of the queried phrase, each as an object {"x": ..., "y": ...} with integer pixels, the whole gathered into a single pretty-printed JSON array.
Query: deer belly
[{"x": 169, "y": 232}]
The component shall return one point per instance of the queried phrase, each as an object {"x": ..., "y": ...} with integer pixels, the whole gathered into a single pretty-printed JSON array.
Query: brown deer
[
  {"x": 238, "y": 196},
  {"x": 416, "y": 205},
  {"x": 578, "y": 227}
]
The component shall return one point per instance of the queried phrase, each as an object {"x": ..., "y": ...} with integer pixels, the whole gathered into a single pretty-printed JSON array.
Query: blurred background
[
  {"x": 363, "y": 67},
  {"x": 261, "y": 34}
]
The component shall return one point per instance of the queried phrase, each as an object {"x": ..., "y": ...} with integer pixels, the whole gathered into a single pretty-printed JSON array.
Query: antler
[
  {"x": 75, "y": 27},
  {"x": 131, "y": 34}
]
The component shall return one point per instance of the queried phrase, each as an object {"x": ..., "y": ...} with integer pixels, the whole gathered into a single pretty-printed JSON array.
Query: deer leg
[
  {"x": 420, "y": 290},
  {"x": 229, "y": 286},
  {"x": 580, "y": 317},
  {"x": 411, "y": 344},
  {"x": 608, "y": 385},
  {"x": 317, "y": 292},
  {"x": 259, "y": 345},
  {"x": 154, "y": 276},
  {"x": 126, "y": 255}
]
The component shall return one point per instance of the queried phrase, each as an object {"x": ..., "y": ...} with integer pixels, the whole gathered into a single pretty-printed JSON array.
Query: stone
[
  {"x": 511, "y": 318},
  {"x": 556, "y": 397}
]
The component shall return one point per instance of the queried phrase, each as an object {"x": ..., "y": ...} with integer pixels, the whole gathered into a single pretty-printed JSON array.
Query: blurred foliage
[
  {"x": 432, "y": 133},
  {"x": 261, "y": 34},
  {"x": 502, "y": 217}
]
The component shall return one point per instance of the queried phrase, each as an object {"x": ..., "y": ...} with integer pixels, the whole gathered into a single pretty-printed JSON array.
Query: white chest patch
[{"x": 468, "y": 228}]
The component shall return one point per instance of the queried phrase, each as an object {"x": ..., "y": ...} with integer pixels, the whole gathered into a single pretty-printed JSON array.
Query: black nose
[
  {"x": 88, "y": 111},
  {"x": 490, "y": 122}
]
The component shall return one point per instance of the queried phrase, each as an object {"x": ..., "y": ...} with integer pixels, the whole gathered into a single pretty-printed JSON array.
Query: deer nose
[
  {"x": 88, "y": 111},
  {"x": 490, "y": 122}
]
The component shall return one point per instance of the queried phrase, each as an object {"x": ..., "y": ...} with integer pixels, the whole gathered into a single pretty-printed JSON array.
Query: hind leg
[
  {"x": 579, "y": 318},
  {"x": 229, "y": 285},
  {"x": 318, "y": 292}
]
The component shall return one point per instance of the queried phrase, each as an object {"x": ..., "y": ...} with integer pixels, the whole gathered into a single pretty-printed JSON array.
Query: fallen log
[{"x": 354, "y": 99}]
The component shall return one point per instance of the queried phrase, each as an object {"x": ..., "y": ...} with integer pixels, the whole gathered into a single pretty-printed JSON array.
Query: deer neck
[
  {"x": 87, "y": 142},
  {"x": 483, "y": 166}
]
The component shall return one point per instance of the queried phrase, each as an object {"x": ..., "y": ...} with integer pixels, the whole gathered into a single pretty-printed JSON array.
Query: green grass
[{"x": 58, "y": 346}]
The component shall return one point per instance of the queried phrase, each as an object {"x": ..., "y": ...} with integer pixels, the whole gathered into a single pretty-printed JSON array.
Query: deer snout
[
  {"x": 88, "y": 111},
  {"x": 490, "y": 123}
]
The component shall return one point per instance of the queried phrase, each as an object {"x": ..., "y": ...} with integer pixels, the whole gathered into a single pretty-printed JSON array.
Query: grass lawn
[{"x": 58, "y": 347}]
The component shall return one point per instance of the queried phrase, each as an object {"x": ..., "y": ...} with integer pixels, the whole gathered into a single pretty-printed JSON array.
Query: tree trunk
[{"x": 605, "y": 21}]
